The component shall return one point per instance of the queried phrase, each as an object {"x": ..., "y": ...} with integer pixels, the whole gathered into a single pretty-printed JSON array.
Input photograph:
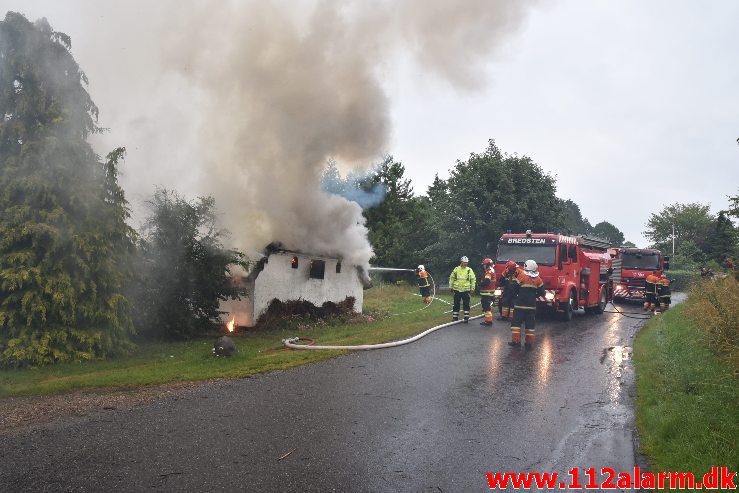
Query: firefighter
[
  {"x": 650, "y": 291},
  {"x": 506, "y": 282},
  {"x": 487, "y": 286},
  {"x": 527, "y": 287},
  {"x": 462, "y": 283},
  {"x": 424, "y": 285},
  {"x": 664, "y": 294}
]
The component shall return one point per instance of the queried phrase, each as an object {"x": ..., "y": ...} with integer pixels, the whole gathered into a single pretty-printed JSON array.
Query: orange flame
[{"x": 230, "y": 325}]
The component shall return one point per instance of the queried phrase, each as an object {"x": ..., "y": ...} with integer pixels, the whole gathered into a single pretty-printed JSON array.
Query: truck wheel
[
  {"x": 600, "y": 308},
  {"x": 569, "y": 307}
]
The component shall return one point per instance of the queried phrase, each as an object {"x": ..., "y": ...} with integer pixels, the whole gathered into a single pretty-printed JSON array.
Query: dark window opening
[
  {"x": 294, "y": 263},
  {"x": 317, "y": 269},
  {"x": 338, "y": 267},
  {"x": 573, "y": 253},
  {"x": 639, "y": 261}
]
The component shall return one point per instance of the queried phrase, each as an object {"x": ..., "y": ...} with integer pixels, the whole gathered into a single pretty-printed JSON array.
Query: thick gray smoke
[
  {"x": 247, "y": 100},
  {"x": 287, "y": 90}
]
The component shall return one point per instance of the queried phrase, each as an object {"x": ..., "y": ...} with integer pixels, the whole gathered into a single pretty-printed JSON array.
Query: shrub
[
  {"x": 683, "y": 279},
  {"x": 714, "y": 307}
]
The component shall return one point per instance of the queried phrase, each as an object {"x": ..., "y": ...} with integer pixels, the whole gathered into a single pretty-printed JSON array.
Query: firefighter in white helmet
[
  {"x": 527, "y": 287},
  {"x": 424, "y": 285},
  {"x": 462, "y": 283}
]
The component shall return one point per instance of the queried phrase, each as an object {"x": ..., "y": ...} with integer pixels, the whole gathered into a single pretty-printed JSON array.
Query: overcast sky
[{"x": 632, "y": 105}]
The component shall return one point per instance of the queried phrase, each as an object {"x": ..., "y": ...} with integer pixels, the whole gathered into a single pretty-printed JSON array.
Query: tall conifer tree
[{"x": 63, "y": 232}]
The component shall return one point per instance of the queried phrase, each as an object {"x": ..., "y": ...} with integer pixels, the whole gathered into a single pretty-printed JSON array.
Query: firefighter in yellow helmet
[
  {"x": 424, "y": 285},
  {"x": 527, "y": 287},
  {"x": 462, "y": 283},
  {"x": 487, "y": 287}
]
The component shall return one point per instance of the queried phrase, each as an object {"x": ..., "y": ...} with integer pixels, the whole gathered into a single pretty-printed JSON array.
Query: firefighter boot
[
  {"x": 466, "y": 316},
  {"x": 529, "y": 341},
  {"x": 488, "y": 318},
  {"x": 515, "y": 337},
  {"x": 504, "y": 313},
  {"x": 455, "y": 316}
]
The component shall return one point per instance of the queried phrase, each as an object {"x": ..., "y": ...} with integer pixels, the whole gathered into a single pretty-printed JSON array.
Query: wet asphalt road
[{"x": 434, "y": 415}]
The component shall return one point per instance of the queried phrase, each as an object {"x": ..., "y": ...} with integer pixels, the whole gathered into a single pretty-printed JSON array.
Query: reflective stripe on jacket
[
  {"x": 527, "y": 289},
  {"x": 487, "y": 283},
  {"x": 462, "y": 279}
]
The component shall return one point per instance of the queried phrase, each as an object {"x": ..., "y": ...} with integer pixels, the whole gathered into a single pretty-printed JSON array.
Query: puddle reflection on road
[
  {"x": 494, "y": 356},
  {"x": 616, "y": 355},
  {"x": 545, "y": 361}
]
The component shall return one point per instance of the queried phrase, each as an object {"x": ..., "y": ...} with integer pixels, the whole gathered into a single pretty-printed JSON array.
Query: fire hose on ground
[
  {"x": 642, "y": 316},
  {"x": 291, "y": 343}
]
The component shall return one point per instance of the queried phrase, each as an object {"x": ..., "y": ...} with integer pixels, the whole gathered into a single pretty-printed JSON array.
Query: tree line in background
[
  {"x": 489, "y": 194},
  {"x": 78, "y": 283},
  {"x": 492, "y": 193},
  {"x": 701, "y": 239}
]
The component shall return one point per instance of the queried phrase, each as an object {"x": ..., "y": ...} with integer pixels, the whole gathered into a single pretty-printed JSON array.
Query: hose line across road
[{"x": 291, "y": 343}]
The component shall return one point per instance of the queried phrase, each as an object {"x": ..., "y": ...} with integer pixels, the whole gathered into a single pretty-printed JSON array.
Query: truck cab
[
  {"x": 632, "y": 266},
  {"x": 576, "y": 270}
]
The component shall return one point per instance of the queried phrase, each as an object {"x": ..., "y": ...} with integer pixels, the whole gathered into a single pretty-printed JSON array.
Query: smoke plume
[
  {"x": 285, "y": 92},
  {"x": 247, "y": 100}
]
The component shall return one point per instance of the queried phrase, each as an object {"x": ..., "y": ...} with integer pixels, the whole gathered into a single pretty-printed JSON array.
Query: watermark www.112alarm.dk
[{"x": 608, "y": 478}]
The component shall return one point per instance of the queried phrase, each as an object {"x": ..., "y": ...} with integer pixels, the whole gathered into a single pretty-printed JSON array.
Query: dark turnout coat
[{"x": 526, "y": 290}]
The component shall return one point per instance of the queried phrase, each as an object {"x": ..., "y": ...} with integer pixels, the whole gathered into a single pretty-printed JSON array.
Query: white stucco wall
[{"x": 279, "y": 280}]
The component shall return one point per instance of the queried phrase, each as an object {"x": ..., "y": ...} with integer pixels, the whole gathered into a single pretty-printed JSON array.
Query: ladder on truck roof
[{"x": 594, "y": 243}]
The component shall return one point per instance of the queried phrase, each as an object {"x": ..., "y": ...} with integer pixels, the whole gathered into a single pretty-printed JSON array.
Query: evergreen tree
[
  {"x": 724, "y": 239},
  {"x": 396, "y": 226},
  {"x": 63, "y": 236},
  {"x": 183, "y": 269}
]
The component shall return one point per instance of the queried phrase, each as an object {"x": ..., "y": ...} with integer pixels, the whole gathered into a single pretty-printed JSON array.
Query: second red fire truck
[
  {"x": 576, "y": 270},
  {"x": 631, "y": 268}
]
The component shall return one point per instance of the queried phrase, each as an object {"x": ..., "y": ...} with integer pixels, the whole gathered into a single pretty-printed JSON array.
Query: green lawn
[
  {"x": 687, "y": 398},
  {"x": 259, "y": 351}
]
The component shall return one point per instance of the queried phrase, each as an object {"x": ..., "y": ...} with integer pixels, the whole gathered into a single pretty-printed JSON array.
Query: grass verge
[
  {"x": 259, "y": 351},
  {"x": 687, "y": 397}
]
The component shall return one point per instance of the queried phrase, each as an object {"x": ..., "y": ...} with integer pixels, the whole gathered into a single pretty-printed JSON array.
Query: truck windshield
[
  {"x": 541, "y": 254},
  {"x": 633, "y": 261}
]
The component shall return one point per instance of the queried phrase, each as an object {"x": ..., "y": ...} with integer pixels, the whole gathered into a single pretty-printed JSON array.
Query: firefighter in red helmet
[
  {"x": 505, "y": 282},
  {"x": 487, "y": 286}
]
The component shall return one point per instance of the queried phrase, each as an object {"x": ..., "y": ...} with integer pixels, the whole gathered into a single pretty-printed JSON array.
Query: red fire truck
[
  {"x": 576, "y": 270},
  {"x": 631, "y": 266}
]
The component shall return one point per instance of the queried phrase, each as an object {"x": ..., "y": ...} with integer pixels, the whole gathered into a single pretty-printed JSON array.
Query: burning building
[{"x": 284, "y": 276}]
